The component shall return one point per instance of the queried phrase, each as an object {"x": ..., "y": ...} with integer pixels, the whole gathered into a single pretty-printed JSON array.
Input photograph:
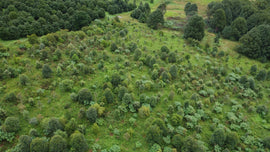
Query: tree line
[{"x": 25, "y": 17}]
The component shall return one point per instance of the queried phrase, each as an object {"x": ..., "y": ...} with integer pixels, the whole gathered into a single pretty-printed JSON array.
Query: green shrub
[
  {"x": 154, "y": 134},
  {"x": 84, "y": 96},
  {"x": 113, "y": 47},
  {"x": 50, "y": 125},
  {"x": 39, "y": 145},
  {"x": 232, "y": 140},
  {"x": 11, "y": 124},
  {"x": 261, "y": 75},
  {"x": 58, "y": 144},
  {"x": 66, "y": 85},
  {"x": 91, "y": 114},
  {"x": 155, "y": 19},
  {"x": 24, "y": 143},
  {"x": 46, "y": 71},
  {"x": 78, "y": 143},
  {"x": 266, "y": 142},
  {"x": 173, "y": 71},
  {"x": 176, "y": 120},
  {"x": 3, "y": 114},
  {"x": 177, "y": 142},
  {"x": 71, "y": 126},
  {"x": 127, "y": 99},
  {"x": 115, "y": 80},
  {"x": 109, "y": 97},
  {"x": 190, "y": 9},
  {"x": 11, "y": 97},
  {"x": 121, "y": 92},
  {"x": 137, "y": 54},
  {"x": 33, "y": 133},
  {"x": 33, "y": 39},
  {"x": 194, "y": 28},
  {"x": 192, "y": 145},
  {"x": 23, "y": 79},
  {"x": 165, "y": 49},
  {"x": 218, "y": 137}
]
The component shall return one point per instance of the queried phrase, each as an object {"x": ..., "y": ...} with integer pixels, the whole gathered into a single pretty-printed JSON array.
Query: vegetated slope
[
  {"x": 122, "y": 86},
  {"x": 243, "y": 20},
  {"x": 19, "y": 18}
]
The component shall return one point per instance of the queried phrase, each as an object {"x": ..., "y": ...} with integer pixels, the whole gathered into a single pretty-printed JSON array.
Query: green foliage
[
  {"x": 194, "y": 28},
  {"x": 46, "y": 71},
  {"x": 39, "y": 145},
  {"x": 78, "y": 143},
  {"x": 192, "y": 145},
  {"x": 261, "y": 75},
  {"x": 11, "y": 124},
  {"x": 191, "y": 9},
  {"x": 24, "y": 143},
  {"x": 115, "y": 79},
  {"x": 174, "y": 71},
  {"x": 33, "y": 39},
  {"x": 232, "y": 140},
  {"x": 219, "y": 20},
  {"x": 11, "y": 97},
  {"x": 127, "y": 99},
  {"x": 6, "y": 136},
  {"x": 155, "y": 148},
  {"x": 50, "y": 125},
  {"x": 66, "y": 85},
  {"x": 177, "y": 142},
  {"x": 109, "y": 97},
  {"x": 218, "y": 137},
  {"x": 91, "y": 114},
  {"x": 255, "y": 44},
  {"x": 84, "y": 96},
  {"x": 113, "y": 47},
  {"x": 176, "y": 119},
  {"x": 58, "y": 143},
  {"x": 155, "y": 19},
  {"x": 23, "y": 79},
  {"x": 266, "y": 142},
  {"x": 154, "y": 134},
  {"x": 71, "y": 126},
  {"x": 3, "y": 114}
]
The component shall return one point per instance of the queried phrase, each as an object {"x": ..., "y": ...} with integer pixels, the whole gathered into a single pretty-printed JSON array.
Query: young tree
[
  {"x": 173, "y": 71},
  {"x": 39, "y": 145},
  {"x": 239, "y": 25},
  {"x": 115, "y": 80},
  {"x": 194, "y": 28},
  {"x": 24, "y": 143},
  {"x": 58, "y": 144},
  {"x": 78, "y": 143},
  {"x": 46, "y": 71},
  {"x": 218, "y": 21},
  {"x": 190, "y": 9},
  {"x": 84, "y": 95},
  {"x": 218, "y": 137},
  {"x": 91, "y": 114},
  {"x": 11, "y": 124},
  {"x": 155, "y": 19},
  {"x": 109, "y": 97},
  {"x": 177, "y": 141},
  {"x": 256, "y": 43}
]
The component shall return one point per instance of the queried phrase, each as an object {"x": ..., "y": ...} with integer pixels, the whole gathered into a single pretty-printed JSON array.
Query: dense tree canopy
[
  {"x": 256, "y": 43},
  {"x": 26, "y": 17},
  {"x": 195, "y": 28}
]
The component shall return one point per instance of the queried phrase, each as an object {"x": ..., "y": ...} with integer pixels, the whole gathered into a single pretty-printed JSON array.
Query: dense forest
[
  {"x": 144, "y": 75},
  {"x": 19, "y": 18}
]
